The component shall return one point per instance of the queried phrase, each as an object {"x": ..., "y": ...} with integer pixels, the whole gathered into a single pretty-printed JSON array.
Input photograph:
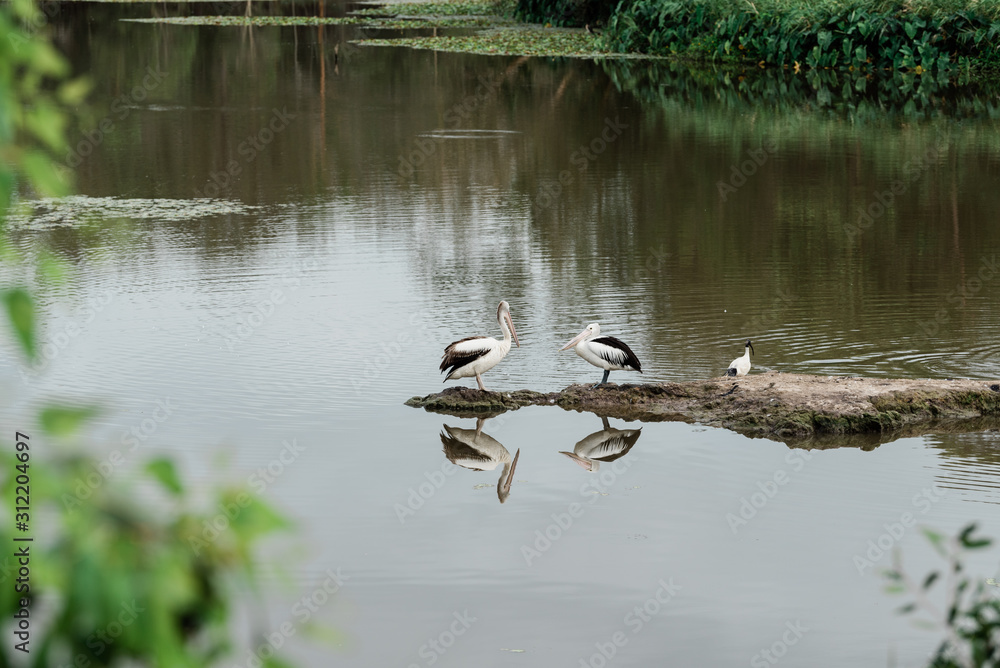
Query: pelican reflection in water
[
  {"x": 472, "y": 449},
  {"x": 605, "y": 445}
]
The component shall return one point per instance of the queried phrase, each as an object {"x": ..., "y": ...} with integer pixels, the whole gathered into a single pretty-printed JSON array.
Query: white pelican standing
[
  {"x": 475, "y": 355},
  {"x": 606, "y": 445},
  {"x": 472, "y": 449},
  {"x": 741, "y": 365},
  {"x": 604, "y": 352}
]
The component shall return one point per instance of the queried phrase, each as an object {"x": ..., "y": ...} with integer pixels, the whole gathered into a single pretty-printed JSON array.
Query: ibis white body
[{"x": 741, "y": 365}]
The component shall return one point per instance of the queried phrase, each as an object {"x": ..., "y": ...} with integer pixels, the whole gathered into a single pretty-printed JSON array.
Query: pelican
[
  {"x": 606, "y": 445},
  {"x": 475, "y": 355},
  {"x": 604, "y": 352},
  {"x": 472, "y": 449},
  {"x": 741, "y": 365}
]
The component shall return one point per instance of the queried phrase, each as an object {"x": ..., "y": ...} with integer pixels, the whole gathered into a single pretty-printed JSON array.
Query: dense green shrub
[
  {"x": 871, "y": 36},
  {"x": 567, "y": 12}
]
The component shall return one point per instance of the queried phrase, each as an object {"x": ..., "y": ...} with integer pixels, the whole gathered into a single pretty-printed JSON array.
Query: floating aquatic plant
[{"x": 67, "y": 211}]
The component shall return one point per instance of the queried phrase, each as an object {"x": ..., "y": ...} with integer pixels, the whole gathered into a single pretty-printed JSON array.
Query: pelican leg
[
  {"x": 479, "y": 379},
  {"x": 607, "y": 372}
]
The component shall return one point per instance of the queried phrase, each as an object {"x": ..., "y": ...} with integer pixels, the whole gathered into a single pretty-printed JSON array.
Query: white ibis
[
  {"x": 472, "y": 449},
  {"x": 604, "y": 352},
  {"x": 606, "y": 445},
  {"x": 741, "y": 365},
  {"x": 475, "y": 355}
]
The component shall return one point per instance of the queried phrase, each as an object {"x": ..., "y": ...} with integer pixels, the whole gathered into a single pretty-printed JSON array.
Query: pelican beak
[
  {"x": 579, "y": 337},
  {"x": 585, "y": 463},
  {"x": 510, "y": 323},
  {"x": 504, "y": 490}
]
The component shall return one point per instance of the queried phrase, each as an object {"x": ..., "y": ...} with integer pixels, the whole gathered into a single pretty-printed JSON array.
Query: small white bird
[
  {"x": 476, "y": 355},
  {"x": 604, "y": 352},
  {"x": 472, "y": 449},
  {"x": 741, "y": 365},
  {"x": 606, "y": 445}
]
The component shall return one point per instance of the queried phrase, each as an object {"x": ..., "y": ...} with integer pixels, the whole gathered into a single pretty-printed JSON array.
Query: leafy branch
[{"x": 969, "y": 616}]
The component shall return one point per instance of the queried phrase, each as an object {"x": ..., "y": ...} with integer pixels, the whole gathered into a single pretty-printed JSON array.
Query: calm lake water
[{"x": 273, "y": 246}]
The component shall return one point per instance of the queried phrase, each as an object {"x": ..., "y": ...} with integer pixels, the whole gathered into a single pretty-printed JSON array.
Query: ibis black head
[{"x": 750, "y": 346}]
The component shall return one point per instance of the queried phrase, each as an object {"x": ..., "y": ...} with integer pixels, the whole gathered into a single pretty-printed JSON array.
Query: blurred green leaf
[
  {"x": 274, "y": 662},
  {"x": 46, "y": 60},
  {"x": 65, "y": 420},
  {"x": 164, "y": 470},
  {"x": 48, "y": 124},
  {"x": 44, "y": 174},
  {"x": 936, "y": 539},
  {"x": 6, "y": 189},
  {"x": 24, "y": 9},
  {"x": 74, "y": 92},
  {"x": 258, "y": 518},
  {"x": 21, "y": 314},
  {"x": 966, "y": 533}
]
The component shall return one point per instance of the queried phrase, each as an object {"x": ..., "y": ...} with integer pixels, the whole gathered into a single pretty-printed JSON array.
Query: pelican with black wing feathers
[
  {"x": 604, "y": 352},
  {"x": 475, "y": 355}
]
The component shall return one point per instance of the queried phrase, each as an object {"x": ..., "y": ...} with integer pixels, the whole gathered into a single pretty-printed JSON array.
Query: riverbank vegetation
[{"x": 868, "y": 35}]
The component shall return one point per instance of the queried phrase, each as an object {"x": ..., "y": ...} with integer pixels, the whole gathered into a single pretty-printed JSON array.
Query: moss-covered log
[{"x": 777, "y": 405}]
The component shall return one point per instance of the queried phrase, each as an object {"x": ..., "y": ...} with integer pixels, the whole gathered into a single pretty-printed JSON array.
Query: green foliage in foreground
[
  {"x": 121, "y": 582},
  {"x": 968, "y": 615},
  {"x": 861, "y": 36},
  {"x": 108, "y": 579}
]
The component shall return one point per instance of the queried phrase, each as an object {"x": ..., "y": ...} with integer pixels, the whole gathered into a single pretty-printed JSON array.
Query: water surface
[{"x": 380, "y": 203}]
